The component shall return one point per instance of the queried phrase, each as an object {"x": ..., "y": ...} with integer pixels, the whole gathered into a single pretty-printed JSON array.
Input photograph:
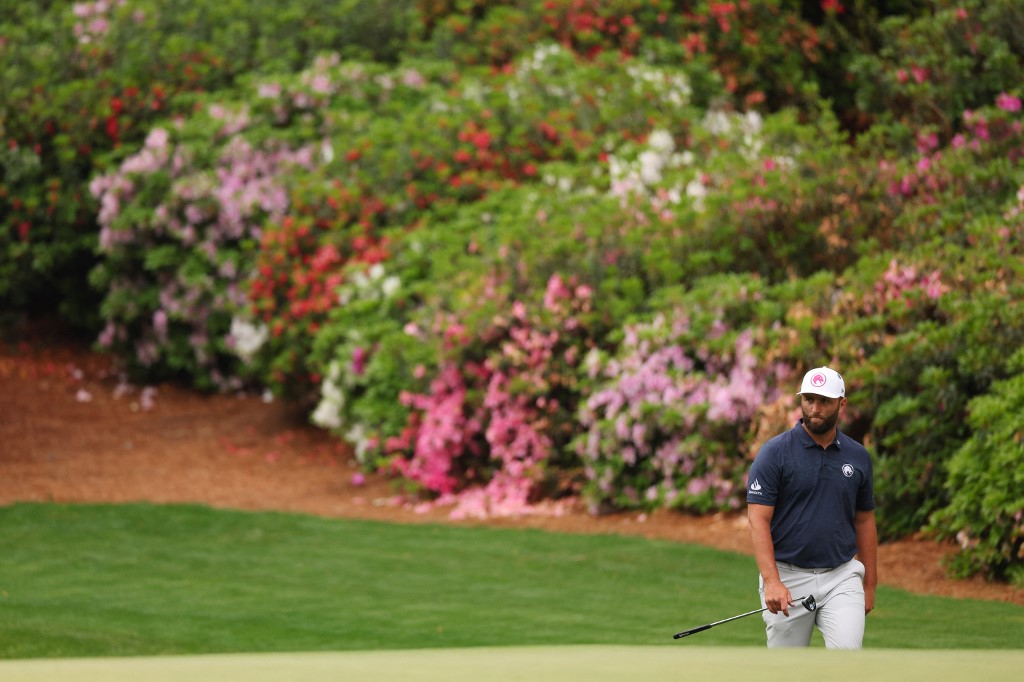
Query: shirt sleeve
[
  {"x": 765, "y": 475},
  {"x": 866, "y": 492}
]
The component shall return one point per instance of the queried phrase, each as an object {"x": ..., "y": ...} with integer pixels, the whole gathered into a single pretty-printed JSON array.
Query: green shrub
[
  {"x": 931, "y": 68},
  {"x": 761, "y": 52},
  {"x": 83, "y": 84},
  {"x": 370, "y": 351},
  {"x": 927, "y": 358},
  {"x": 986, "y": 475}
]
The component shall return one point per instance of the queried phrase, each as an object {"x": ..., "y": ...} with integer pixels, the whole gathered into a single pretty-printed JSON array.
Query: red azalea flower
[{"x": 482, "y": 139}]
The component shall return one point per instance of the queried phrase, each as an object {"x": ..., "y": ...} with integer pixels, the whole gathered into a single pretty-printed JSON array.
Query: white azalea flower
[
  {"x": 661, "y": 142},
  {"x": 248, "y": 338},
  {"x": 391, "y": 286}
]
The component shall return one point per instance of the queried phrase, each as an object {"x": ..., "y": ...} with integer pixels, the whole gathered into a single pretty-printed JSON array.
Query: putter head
[{"x": 809, "y": 603}]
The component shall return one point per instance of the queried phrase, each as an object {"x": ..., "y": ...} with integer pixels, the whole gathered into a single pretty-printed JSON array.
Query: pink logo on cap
[{"x": 818, "y": 380}]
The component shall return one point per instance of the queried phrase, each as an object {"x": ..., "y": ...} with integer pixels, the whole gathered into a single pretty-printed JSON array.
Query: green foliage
[
  {"x": 761, "y": 52},
  {"x": 371, "y": 350},
  {"x": 354, "y": 203},
  {"x": 928, "y": 327},
  {"x": 81, "y": 91},
  {"x": 915, "y": 389},
  {"x": 785, "y": 199},
  {"x": 986, "y": 512},
  {"x": 931, "y": 67}
]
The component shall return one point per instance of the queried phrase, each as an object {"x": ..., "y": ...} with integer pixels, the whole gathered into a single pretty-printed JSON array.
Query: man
[{"x": 810, "y": 501}]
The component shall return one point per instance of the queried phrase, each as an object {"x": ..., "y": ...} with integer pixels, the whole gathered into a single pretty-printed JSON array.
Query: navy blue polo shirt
[{"x": 816, "y": 493}]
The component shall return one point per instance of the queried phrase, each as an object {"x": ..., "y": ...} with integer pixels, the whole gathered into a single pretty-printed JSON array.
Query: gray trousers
[{"x": 839, "y": 593}]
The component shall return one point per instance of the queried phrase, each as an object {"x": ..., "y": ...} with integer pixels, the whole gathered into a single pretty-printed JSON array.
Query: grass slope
[{"x": 132, "y": 580}]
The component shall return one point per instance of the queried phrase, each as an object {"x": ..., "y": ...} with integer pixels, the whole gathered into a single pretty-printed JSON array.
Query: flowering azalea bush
[
  {"x": 169, "y": 225},
  {"x": 52, "y": 136},
  {"x": 85, "y": 82},
  {"x": 667, "y": 424},
  {"x": 917, "y": 384},
  {"x": 197, "y": 239},
  {"x": 370, "y": 351},
  {"x": 773, "y": 198},
  {"x": 501, "y": 414},
  {"x": 434, "y": 319},
  {"x": 440, "y": 148},
  {"x": 613, "y": 222},
  {"x": 947, "y": 318},
  {"x": 545, "y": 248},
  {"x": 939, "y": 63},
  {"x": 760, "y": 50}
]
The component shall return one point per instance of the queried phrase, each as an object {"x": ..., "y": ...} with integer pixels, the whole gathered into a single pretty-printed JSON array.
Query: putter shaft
[{"x": 807, "y": 602}]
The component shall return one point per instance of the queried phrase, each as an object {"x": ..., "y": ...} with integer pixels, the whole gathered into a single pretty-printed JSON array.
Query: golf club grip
[{"x": 694, "y": 631}]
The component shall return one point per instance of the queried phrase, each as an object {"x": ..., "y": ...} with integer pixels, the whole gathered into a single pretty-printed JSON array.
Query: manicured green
[
  {"x": 594, "y": 663},
  {"x": 130, "y": 580}
]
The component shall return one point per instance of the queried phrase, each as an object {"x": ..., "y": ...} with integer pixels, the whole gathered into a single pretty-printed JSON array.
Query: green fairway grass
[{"x": 134, "y": 580}]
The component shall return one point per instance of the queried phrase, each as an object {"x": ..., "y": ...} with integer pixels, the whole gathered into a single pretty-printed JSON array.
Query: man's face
[{"x": 820, "y": 413}]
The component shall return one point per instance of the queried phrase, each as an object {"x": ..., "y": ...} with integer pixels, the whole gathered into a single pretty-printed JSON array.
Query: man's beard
[{"x": 826, "y": 425}]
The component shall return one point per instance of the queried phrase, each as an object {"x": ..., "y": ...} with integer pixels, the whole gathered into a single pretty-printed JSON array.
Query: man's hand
[
  {"x": 777, "y": 597},
  {"x": 869, "y": 599},
  {"x": 867, "y": 552}
]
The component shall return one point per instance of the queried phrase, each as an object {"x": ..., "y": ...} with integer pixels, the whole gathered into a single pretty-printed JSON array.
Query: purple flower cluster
[
  {"x": 92, "y": 19},
  {"x": 198, "y": 226},
  {"x": 667, "y": 425}
]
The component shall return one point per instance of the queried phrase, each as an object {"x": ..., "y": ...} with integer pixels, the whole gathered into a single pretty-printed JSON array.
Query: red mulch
[{"x": 69, "y": 435}]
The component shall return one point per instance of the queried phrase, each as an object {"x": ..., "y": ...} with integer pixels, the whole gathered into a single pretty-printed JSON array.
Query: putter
[{"x": 807, "y": 602}]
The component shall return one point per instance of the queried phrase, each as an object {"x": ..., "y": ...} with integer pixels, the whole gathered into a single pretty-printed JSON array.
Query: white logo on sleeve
[
  {"x": 755, "y": 487},
  {"x": 847, "y": 470}
]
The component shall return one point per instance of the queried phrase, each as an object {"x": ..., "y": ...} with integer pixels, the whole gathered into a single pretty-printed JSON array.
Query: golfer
[{"x": 810, "y": 501}]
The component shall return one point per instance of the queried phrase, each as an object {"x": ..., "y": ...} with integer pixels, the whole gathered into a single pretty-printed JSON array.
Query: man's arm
[
  {"x": 867, "y": 552},
  {"x": 776, "y": 595}
]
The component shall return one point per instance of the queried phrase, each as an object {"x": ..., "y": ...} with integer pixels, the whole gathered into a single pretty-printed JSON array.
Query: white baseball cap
[{"x": 825, "y": 382}]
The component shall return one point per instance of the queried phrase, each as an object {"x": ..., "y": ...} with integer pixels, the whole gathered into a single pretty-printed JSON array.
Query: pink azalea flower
[
  {"x": 359, "y": 356},
  {"x": 1008, "y": 102}
]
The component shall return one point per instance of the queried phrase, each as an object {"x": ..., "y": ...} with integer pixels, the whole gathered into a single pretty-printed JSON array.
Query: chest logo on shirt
[{"x": 847, "y": 471}]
